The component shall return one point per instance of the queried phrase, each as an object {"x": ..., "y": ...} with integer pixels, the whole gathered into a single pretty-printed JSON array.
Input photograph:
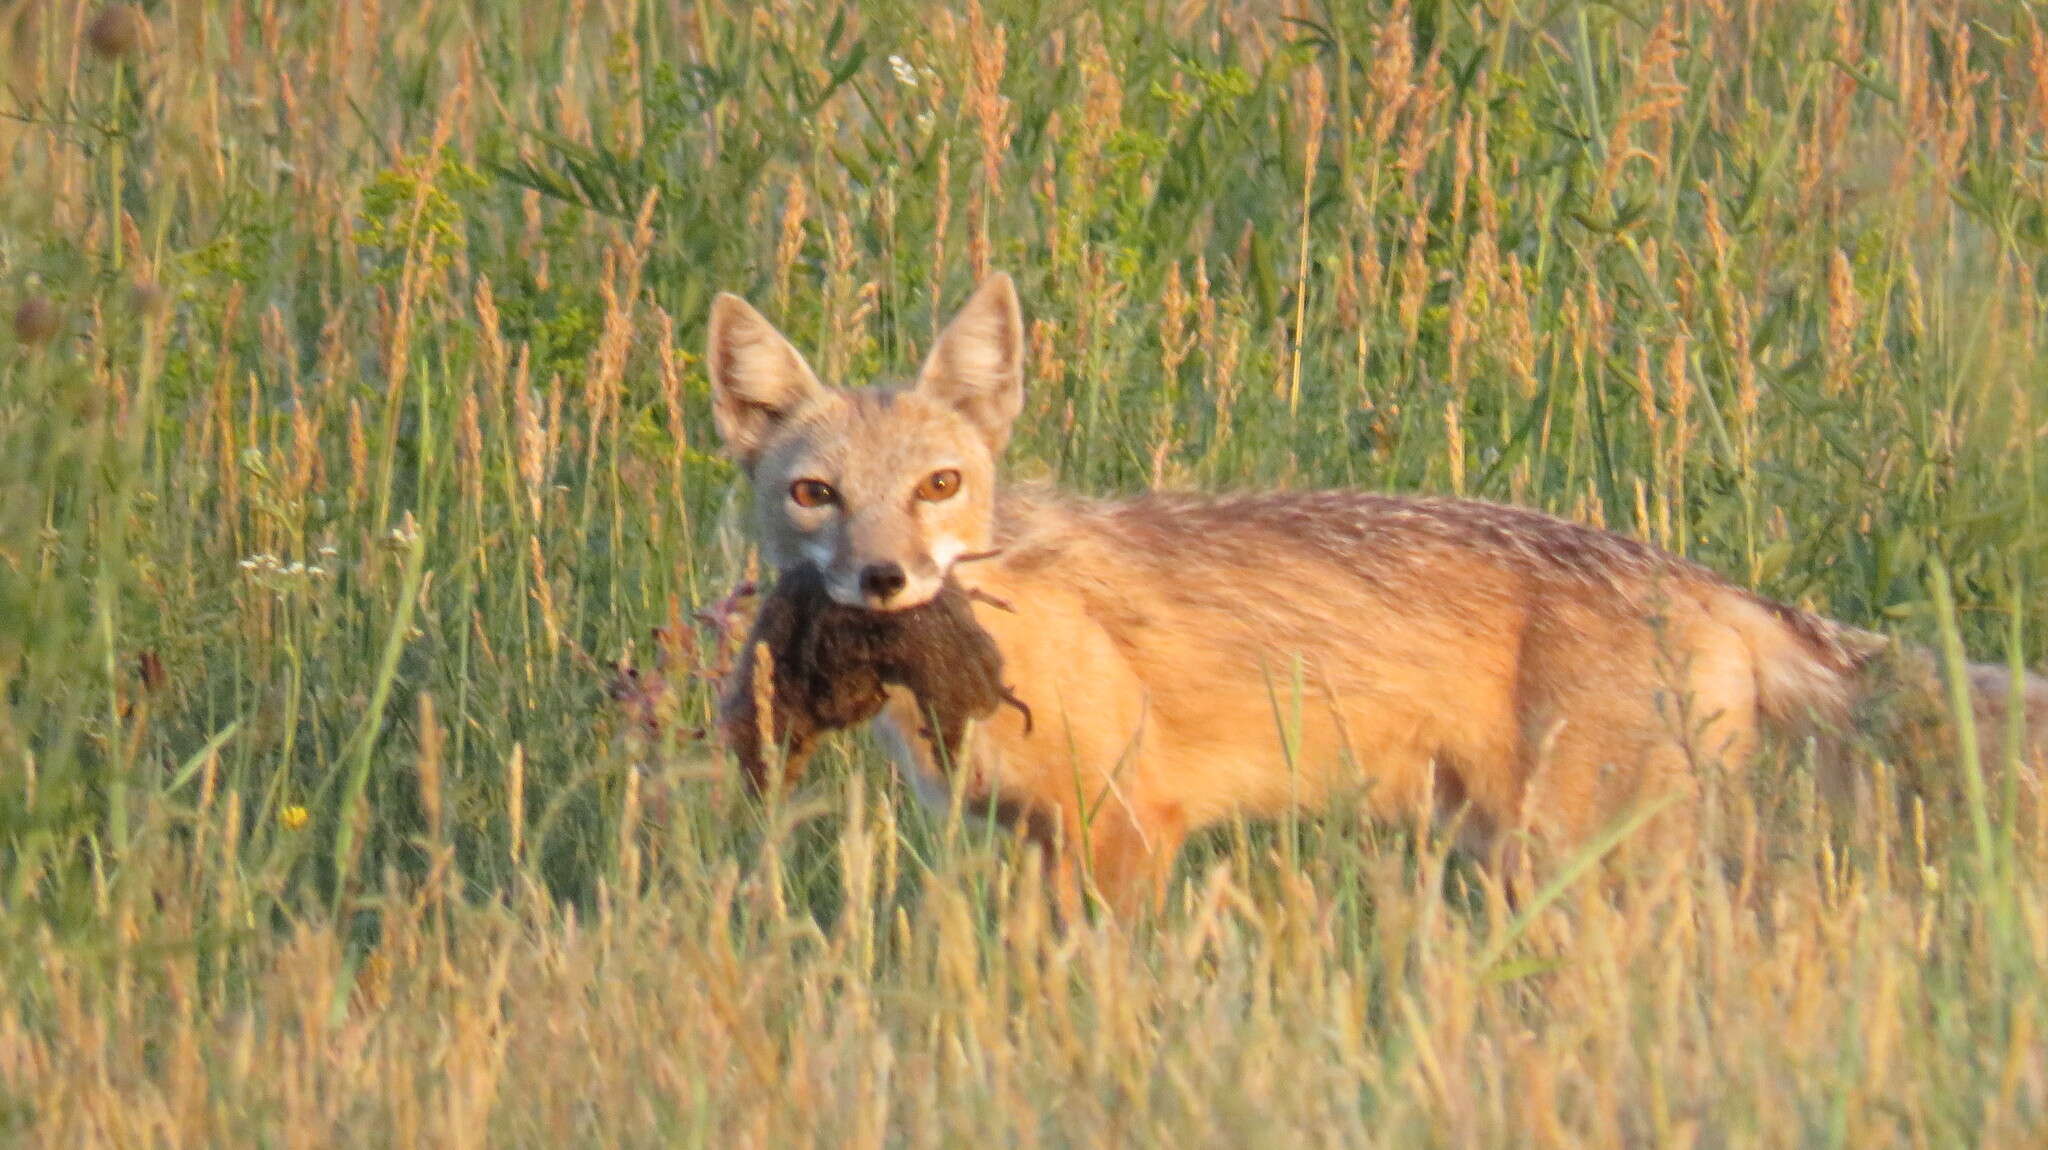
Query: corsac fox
[{"x": 1188, "y": 659}]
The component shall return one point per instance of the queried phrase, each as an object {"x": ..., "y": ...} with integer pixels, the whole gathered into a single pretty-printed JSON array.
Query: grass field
[{"x": 351, "y": 426}]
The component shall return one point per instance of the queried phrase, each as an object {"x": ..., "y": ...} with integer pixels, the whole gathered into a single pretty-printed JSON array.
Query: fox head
[{"x": 880, "y": 489}]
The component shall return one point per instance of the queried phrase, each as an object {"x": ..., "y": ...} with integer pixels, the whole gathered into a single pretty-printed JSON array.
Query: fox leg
[
  {"x": 1121, "y": 857},
  {"x": 1131, "y": 855},
  {"x": 1050, "y": 826}
]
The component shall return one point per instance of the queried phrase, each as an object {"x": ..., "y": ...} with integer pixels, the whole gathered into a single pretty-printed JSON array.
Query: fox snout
[
  {"x": 881, "y": 582},
  {"x": 885, "y": 585}
]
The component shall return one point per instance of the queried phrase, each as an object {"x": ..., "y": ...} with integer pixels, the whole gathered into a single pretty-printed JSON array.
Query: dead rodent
[{"x": 833, "y": 663}]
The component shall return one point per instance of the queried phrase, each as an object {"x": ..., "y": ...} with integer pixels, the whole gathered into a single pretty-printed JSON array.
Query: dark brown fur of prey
[{"x": 833, "y": 663}]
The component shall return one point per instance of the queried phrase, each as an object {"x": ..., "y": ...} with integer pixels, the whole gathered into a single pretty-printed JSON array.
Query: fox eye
[
  {"x": 812, "y": 493},
  {"x": 939, "y": 485}
]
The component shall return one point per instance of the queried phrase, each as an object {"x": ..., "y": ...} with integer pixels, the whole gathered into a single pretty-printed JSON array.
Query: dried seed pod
[
  {"x": 147, "y": 297},
  {"x": 35, "y": 320},
  {"x": 114, "y": 32}
]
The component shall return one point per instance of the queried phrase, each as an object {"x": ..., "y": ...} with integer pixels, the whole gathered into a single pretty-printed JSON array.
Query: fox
[{"x": 1184, "y": 660}]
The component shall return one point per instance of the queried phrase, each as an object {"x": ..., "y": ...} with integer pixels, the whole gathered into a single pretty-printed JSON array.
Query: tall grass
[{"x": 351, "y": 426}]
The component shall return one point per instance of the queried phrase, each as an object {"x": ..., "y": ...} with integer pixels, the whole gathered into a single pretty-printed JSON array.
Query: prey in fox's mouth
[{"x": 831, "y": 665}]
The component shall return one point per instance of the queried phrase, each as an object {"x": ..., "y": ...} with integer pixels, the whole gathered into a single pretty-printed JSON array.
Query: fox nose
[{"x": 881, "y": 581}]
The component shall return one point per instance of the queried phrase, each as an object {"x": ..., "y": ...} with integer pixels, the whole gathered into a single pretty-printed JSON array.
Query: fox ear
[
  {"x": 977, "y": 365},
  {"x": 757, "y": 379}
]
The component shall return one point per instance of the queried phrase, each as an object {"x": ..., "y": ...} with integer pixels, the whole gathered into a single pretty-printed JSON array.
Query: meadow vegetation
[{"x": 352, "y": 427}]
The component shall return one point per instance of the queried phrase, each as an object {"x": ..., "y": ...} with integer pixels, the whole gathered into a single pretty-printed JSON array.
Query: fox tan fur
[{"x": 1191, "y": 659}]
